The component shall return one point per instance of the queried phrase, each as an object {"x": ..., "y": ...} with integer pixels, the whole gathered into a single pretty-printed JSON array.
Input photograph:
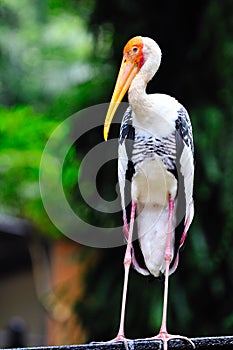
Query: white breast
[
  {"x": 157, "y": 115},
  {"x": 152, "y": 183}
]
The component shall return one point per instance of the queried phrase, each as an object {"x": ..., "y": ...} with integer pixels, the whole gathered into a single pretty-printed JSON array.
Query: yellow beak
[{"x": 127, "y": 72}]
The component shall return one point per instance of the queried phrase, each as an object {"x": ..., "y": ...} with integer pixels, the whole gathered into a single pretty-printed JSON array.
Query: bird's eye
[{"x": 135, "y": 49}]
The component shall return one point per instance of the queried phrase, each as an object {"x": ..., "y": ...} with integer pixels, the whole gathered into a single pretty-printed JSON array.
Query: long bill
[{"x": 127, "y": 72}]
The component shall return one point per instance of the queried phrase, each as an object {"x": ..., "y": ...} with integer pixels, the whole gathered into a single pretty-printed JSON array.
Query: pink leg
[
  {"x": 167, "y": 257},
  {"x": 125, "y": 226},
  {"x": 163, "y": 334},
  {"x": 127, "y": 263}
]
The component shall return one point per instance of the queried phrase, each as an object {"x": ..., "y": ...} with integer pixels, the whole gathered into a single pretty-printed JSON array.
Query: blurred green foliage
[
  {"x": 60, "y": 56},
  {"x": 48, "y": 71}
]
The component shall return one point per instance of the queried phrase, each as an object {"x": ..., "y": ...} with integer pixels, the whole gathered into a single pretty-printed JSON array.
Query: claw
[
  {"x": 118, "y": 338},
  {"x": 165, "y": 337}
]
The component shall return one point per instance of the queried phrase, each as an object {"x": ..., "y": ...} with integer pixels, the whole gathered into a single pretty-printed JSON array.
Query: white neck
[
  {"x": 152, "y": 56},
  {"x": 153, "y": 114},
  {"x": 137, "y": 96}
]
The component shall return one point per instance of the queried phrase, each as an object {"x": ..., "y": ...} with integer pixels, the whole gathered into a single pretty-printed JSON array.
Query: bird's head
[{"x": 137, "y": 52}]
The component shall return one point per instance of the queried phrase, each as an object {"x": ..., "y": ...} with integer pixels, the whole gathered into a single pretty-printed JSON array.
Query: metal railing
[{"x": 212, "y": 343}]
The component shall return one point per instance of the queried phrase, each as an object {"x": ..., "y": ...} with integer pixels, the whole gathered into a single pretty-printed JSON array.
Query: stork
[{"x": 160, "y": 165}]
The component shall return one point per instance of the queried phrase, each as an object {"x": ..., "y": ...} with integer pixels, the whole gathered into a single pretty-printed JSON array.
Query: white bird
[{"x": 156, "y": 155}]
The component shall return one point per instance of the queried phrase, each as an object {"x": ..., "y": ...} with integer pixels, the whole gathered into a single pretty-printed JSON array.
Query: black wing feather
[
  {"x": 184, "y": 139},
  {"x": 126, "y": 144}
]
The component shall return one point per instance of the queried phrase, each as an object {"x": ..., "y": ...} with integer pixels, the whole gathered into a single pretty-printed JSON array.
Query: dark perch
[{"x": 225, "y": 343}]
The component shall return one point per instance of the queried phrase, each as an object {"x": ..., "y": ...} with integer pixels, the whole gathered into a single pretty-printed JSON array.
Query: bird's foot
[
  {"x": 166, "y": 337},
  {"x": 118, "y": 338}
]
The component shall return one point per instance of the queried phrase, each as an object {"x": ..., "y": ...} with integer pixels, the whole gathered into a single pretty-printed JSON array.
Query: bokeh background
[{"x": 56, "y": 58}]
